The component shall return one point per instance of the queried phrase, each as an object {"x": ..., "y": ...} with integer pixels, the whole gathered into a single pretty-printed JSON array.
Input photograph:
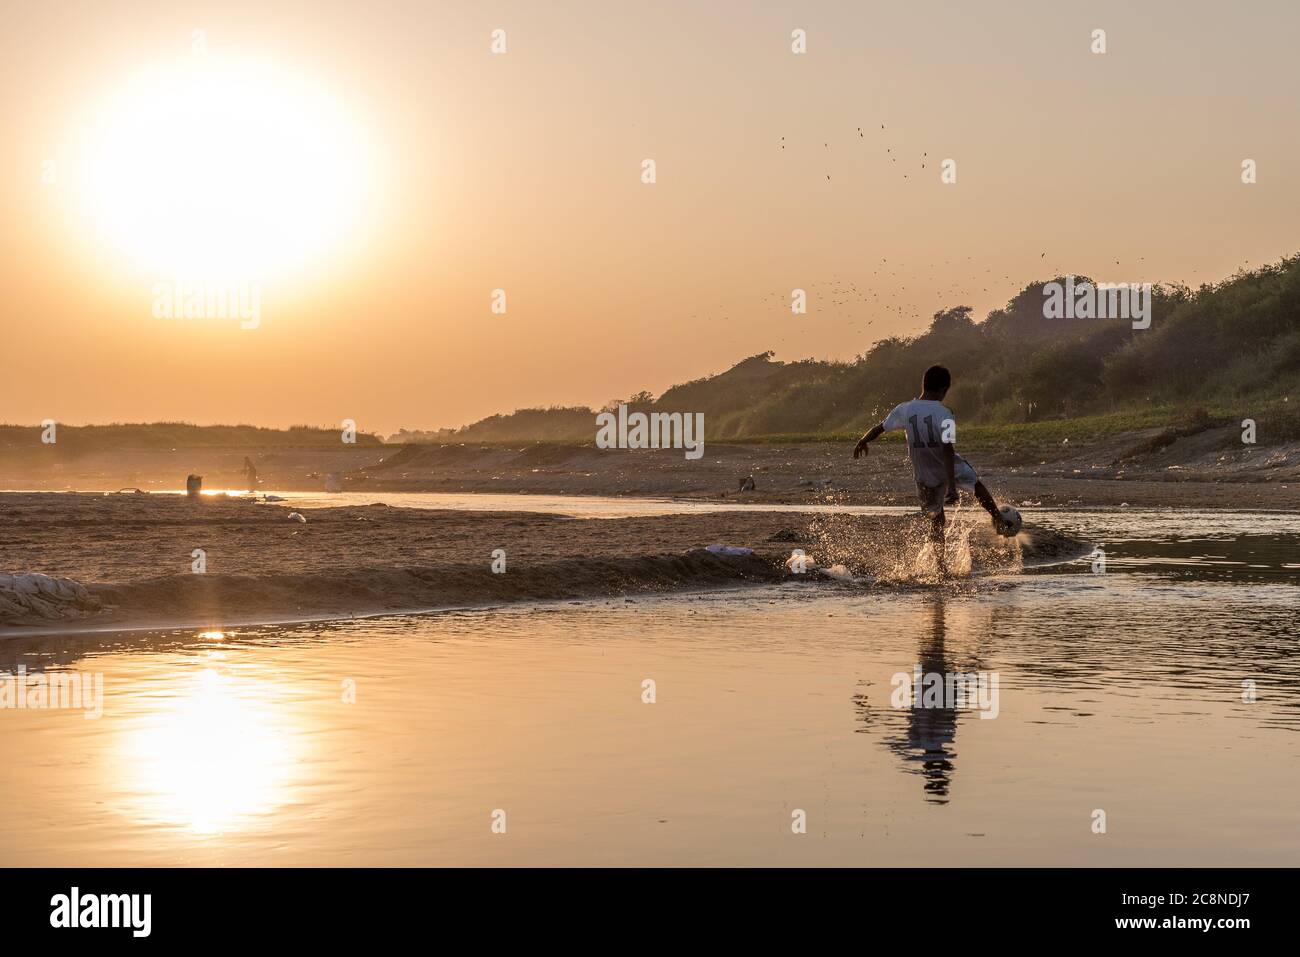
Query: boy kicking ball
[{"x": 939, "y": 471}]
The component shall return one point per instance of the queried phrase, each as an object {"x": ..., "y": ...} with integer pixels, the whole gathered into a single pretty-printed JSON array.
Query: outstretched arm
[{"x": 861, "y": 448}]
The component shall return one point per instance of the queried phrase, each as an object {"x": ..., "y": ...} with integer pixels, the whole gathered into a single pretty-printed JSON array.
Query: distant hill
[
  {"x": 556, "y": 424},
  {"x": 1224, "y": 343},
  {"x": 80, "y": 439}
]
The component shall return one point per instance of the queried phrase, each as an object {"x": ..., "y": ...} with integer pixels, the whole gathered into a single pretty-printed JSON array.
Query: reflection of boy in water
[
  {"x": 931, "y": 730},
  {"x": 250, "y": 473}
]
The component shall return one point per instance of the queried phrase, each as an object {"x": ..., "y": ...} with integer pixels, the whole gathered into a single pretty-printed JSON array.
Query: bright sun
[{"x": 204, "y": 168}]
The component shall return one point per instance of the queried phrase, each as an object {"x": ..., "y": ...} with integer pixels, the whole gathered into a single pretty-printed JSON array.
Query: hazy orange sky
[{"x": 522, "y": 171}]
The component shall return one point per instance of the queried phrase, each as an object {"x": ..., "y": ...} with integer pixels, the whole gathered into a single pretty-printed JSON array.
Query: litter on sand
[
  {"x": 798, "y": 563},
  {"x": 729, "y": 550},
  {"x": 24, "y": 597},
  {"x": 838, "y": 572}
]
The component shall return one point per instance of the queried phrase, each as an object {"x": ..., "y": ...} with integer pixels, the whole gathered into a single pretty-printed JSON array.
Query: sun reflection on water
[{"x": 212, "y": 757}]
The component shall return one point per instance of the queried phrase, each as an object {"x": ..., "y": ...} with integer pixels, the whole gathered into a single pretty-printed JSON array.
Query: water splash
[{"x": 903, "y": 552}]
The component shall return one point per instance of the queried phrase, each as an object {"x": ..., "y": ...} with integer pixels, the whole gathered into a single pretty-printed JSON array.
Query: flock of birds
[
  {"x": 844, "y": 295},
  {"x": 856, "y": 307},
  {"x": 889, "y": 152}
]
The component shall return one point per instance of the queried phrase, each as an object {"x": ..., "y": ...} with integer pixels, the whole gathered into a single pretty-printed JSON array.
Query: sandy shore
[
  {"x": 826, "y": 472},
  {"x": 134, "y": 555},
  {"x": 126, "y": 560},
  {"x": 1210, "y": 469}
]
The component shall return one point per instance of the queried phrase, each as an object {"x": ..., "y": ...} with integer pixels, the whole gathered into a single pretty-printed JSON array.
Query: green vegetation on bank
[
  {"x": 1227, "y": 350},
  {"x": 1277, "y": 421}
]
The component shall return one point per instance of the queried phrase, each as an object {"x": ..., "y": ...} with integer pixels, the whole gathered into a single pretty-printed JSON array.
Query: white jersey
[{"x": 926, "y": 423}]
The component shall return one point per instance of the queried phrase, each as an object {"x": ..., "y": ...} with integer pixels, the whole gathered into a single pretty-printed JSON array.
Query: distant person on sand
[
  {"x": 250, "y": 472},
  {"x": 939, "y": 471}
]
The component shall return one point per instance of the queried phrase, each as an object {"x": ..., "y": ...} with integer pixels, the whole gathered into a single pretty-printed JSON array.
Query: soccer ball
[{"x": 1012, "y": 519}]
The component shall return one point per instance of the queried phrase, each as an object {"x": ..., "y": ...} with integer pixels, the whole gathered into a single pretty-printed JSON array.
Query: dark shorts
[{"x": 931, "y": 498}]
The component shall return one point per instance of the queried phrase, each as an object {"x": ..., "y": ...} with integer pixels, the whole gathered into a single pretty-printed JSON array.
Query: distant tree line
[{"x": 1222, "y": 342}]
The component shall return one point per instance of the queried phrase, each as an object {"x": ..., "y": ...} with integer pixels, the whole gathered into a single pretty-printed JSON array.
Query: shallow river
[{"x": 1147, "y": 714}]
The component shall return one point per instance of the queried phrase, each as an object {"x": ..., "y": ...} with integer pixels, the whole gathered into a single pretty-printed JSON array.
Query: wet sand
[{"x": 135, "y": 556}]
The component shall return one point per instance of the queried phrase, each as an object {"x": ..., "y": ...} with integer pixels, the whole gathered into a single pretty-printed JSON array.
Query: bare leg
[
  {"x": 937, "y": 523},
  {"x": 999, "y": 523},
  {"x": 986, "y": 499}
]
